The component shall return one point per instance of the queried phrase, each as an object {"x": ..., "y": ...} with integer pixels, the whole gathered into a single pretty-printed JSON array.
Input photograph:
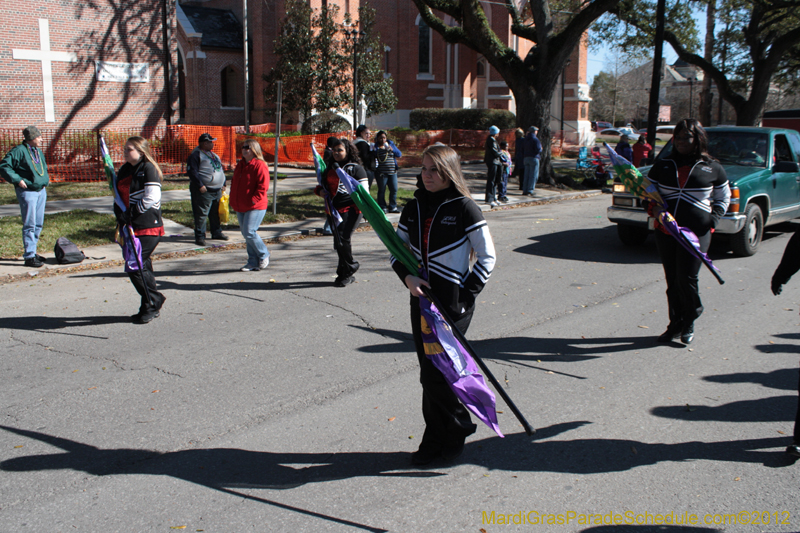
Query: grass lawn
[{"x": 87, "y": 228}]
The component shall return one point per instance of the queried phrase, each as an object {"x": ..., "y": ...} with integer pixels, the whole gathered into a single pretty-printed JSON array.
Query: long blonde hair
[
  {"x": 143, "y": 147},
  {"x": 255, "y": 148},
  {"x": 449, "y": 165}
]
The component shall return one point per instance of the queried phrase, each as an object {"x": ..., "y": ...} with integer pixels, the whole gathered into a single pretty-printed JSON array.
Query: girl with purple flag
[
  {"x": 343, "y": 155},
  {"x": 695, "y": 188},
  {"x": 445, "y": 230},
  {"x": 138, "y": 187}
]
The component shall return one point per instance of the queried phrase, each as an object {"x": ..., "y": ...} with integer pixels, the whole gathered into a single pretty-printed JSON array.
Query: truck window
[
  {"x": 782, "y": 150},
  {"x": 794, "y": 141}
]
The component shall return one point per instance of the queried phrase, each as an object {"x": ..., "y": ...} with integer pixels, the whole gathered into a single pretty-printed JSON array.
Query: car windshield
[{"x": 748, "y": 149}]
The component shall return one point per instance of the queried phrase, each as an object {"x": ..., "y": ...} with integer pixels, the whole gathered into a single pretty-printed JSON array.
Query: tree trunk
[{"x": 705, "y": 92}]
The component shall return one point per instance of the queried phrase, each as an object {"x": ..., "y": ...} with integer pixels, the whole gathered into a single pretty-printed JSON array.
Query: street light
[{"x": 354, "y": 35}]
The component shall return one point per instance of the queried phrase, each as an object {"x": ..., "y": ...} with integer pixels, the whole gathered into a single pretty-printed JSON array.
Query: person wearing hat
[
  {"x": 206, "y": 185},
  {"x": 532, "y": 153},
  {"x": 491, "y": 156},
  {"x": 24, "y": 167}
]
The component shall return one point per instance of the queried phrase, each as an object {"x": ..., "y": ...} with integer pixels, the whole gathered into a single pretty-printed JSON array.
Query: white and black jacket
[{"x": 457, "y": 228}]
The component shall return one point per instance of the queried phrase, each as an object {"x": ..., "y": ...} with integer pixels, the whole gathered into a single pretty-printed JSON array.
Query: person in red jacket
[
  {"x": 641, "y": 150},
  {"x": 249, "y": 189}
]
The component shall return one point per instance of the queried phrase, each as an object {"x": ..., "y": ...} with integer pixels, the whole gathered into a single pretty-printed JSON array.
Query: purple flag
[
  {"x": 458, "y": 368},
  {"x": 131, "y": 249}
]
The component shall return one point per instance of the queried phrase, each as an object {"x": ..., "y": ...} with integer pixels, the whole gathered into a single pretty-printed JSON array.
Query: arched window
[
  {"x": 424, "y": 48},
  {"x": 232, "y": 86},
  {"x": 481, "y": 68}
]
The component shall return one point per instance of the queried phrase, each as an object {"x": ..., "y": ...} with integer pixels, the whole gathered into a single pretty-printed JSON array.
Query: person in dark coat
[
  {"x": 519, "y": 156},
  {"x": 531, "y": 157},
  {"x": 790, "y": 264},
  {"x": 492, "y": 156}
]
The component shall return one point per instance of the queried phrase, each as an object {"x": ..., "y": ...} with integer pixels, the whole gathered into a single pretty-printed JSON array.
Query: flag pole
[{"x": 488, "y": 373}]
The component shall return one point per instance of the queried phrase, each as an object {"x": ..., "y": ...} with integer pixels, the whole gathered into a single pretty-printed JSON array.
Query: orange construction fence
[{"x": 74, "y": 154}]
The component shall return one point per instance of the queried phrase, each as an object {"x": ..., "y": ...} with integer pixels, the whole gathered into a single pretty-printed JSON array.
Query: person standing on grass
[
  {"x": 206, "y": 185},
  {"x": 139, "y": 189},
  {"x": 25, "y": 168},
  {"x": 249, "y": 188}
]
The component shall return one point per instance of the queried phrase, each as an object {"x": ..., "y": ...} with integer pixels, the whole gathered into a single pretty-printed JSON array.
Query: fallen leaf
[
  {"x": 501, "y": 412},
  {"x": 177, "y": 527},
  {"x": 271, "y": 280},
  {"x": 156, "y": 391},
  {"x": 392, "y": 419},
  {"x": 644, "y": 327},
  {"x": 781, "y": 432},
  {"x": 737, "y": 479},
  {"x": 20, "y": 446},
  {"x": 411, "y": 436},
  {"x": 91, "y": 388},
  {"x": 602, "y": 387}
]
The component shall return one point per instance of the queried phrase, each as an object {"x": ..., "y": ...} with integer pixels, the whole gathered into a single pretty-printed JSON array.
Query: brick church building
[{"x": 103, "y": 64}]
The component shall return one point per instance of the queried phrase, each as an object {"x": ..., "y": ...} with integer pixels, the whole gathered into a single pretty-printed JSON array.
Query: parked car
[
  {"x": 600, "y": 125},
  {"x": 663, "y": 133},
  {"x": 764, "y": 176},
  {"x": 613, "y": 134}
]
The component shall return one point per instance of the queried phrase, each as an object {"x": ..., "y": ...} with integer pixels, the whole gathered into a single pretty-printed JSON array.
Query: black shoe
[
  {"x": 41, "y": 258},
  {"x": 147, "y": 316},
  {"x": 504, "y": 199},
  {"x": 393, "y": 210},
  {"x": 794, "y": 450},
  {"x": 220, "y": 237},
  {"x": 200, "y": 241},
  {"x": 687, "y": 334},
  {"x": 343, "y": 282},
  {"x": 672, "y": 333},
  {"x": 33, "y": 262},
  {"x": 450, "y": 453},
  {"x": 427, "y": 453}
]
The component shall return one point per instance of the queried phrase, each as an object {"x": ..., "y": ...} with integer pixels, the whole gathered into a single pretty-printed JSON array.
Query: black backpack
[{"x": 67, "y": 252}]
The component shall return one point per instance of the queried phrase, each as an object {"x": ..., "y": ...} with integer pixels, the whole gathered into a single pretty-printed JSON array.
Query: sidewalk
[{"x": 180, "y": 238}]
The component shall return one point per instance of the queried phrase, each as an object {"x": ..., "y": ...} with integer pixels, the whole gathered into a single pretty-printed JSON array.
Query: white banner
[{"x": 122, "y": 72}]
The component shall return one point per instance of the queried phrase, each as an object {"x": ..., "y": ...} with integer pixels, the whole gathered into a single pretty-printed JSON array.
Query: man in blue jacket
[
  {"x": 533, "y": 151},
  {"x": 25, "y": 168}
]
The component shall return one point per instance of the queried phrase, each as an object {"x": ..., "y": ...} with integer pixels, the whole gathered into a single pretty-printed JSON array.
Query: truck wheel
[
  {"x": 632, "y": 235},
  {"x": 745, "y": 243}
]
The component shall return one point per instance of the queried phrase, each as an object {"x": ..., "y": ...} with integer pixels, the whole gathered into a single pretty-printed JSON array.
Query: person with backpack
[{"x": 343, "y": 155}]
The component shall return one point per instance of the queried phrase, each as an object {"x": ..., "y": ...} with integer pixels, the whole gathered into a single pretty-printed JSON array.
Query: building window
[
  {"x": 424, "y": 48},
  {"x": 386, "y": 51},
  {"x": 481, "y": 68},
  {"x": 232, "y": 87}
]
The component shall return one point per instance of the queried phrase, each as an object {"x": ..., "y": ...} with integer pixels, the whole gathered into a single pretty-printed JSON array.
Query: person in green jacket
[{"x": 25, "y": 168}]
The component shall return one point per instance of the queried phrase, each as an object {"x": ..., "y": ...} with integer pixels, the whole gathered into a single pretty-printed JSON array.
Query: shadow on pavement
[
  {"x": 783, "y": 379},
  {"x": 49, "y": 323},
  {"x": 771, "y": 409}
]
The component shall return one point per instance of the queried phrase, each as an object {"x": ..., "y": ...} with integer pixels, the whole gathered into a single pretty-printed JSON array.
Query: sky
[{"x": 602, "y": 59}]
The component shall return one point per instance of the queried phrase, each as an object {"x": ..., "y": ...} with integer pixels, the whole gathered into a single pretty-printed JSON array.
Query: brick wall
[{"x": 101, "y": 30}]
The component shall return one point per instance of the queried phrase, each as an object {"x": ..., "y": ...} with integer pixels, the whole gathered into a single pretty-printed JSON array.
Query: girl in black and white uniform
[
  {"x": 695, "y": 189},
  {"x": 446, "y": 230}
]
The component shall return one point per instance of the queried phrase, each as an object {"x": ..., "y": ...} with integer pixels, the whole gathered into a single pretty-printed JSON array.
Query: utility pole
[
  {"x": 655, "y": 84},
  {"x": 247, "y": 74}
]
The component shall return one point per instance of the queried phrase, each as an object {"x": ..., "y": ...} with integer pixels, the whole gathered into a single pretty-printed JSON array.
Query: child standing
[{"x": 505, "y": 165}]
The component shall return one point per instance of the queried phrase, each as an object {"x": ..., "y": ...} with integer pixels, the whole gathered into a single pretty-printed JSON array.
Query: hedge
[{"x": 461, "y": 119}]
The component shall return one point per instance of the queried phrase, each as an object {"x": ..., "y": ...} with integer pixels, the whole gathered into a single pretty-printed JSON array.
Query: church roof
[{"x": 220, "y": 27}]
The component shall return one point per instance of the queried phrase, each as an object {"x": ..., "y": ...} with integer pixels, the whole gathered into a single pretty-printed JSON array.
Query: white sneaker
[
  {"x": 493, "y": 204},
  {"x": 264, "y": 263},
  {"x": 248, "y": 268}
]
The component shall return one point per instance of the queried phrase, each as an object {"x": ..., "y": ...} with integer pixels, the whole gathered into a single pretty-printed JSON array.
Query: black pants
[
  {"x": 494, "y": 176},
  {"x": 681, "y": 269},
  {"x": 342, "y": 234},
  {"x": 797, "y": 417},
  {"x": 146, "y": 276},
  {"x": 205, "y": 206},
  {"x": 447, "y": 421}
]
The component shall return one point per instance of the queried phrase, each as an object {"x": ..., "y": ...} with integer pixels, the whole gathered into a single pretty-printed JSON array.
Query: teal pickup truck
[{"x": 764, "y": 175}]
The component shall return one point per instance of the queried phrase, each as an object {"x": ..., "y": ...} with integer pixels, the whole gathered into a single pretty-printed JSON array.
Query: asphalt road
[{"x": 272, "y": 401}]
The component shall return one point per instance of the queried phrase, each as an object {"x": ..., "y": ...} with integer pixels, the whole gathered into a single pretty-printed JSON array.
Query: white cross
[{"x": 46, "y": 56}]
